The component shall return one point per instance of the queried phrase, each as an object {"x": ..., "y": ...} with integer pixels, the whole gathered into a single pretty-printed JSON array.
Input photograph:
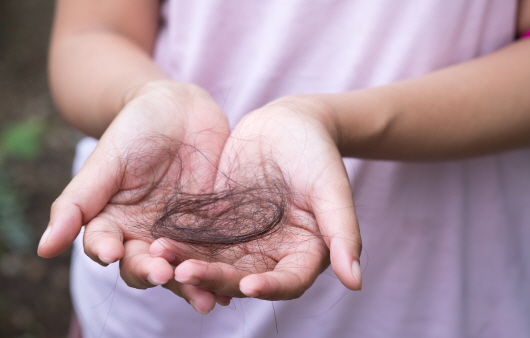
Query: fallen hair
[{"x": 233, "y": 212}]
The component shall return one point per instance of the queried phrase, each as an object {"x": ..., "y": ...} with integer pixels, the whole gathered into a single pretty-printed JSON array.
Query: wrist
[
  {"x": 171, "y": 107},
  {"x": 317, "y": 107},
  {"x": 361, "y": 119},
  {"x": 163, "y": 86}
]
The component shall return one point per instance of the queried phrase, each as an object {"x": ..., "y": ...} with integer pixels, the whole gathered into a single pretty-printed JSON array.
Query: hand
[
  {"x": 150, "y": 146},
  {"x": 289, "y": 143}
]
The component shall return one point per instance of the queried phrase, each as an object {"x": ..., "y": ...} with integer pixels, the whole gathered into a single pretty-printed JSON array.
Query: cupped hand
[
  {"x": 285, "y": 151},
  {"x": 168, "y": 134}
]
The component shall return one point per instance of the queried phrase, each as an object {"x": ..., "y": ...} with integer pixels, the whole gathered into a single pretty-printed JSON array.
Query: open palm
[
  {"x": 284, "y": 153},
  {"x": 150, "y": 147}
]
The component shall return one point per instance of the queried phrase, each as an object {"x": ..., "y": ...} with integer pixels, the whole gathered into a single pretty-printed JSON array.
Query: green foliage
[
  {"x": 21, "y": 139},
  {"x": 15, "y": 233}
]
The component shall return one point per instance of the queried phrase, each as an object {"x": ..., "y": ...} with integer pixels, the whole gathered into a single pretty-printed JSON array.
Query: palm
[
  {"x": 139, "y": 157},
  {"x": 278, "y": 151},
  {"x": 151, "y": 170}
]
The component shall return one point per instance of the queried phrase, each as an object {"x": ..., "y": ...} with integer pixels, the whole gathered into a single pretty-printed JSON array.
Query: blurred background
[{"x": 36, "y": 151}]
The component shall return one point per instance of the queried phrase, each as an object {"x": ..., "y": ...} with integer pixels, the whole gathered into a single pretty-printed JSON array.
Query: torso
[{"x": 446, "y": 244}]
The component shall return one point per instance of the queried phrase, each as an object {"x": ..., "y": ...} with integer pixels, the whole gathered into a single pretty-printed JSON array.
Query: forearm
[
  {"x": 98, "y": 57},
  {"x": 470, "y": 109},
  {"x": 91, "y": 87}
]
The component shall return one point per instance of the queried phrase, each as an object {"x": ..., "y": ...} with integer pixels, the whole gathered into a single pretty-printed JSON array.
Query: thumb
[
  {"x": 84, "y": 197},
  {"x": 335, "y": 215}
]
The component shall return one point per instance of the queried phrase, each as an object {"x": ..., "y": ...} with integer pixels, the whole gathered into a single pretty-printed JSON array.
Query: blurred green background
[{"x": 36, "y": 151}]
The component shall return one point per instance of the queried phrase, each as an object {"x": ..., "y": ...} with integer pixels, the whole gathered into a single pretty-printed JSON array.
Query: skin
[
  {"x": 115, "y": 101},
  {"x": 474, "y": 108},
  {"x": 322, "y": 207}
]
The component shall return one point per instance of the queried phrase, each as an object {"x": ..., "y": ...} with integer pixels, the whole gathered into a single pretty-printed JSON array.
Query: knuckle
[
  {"x": 296, "y": 295},
  {"x": 133, "y": 281},
  {"x": 92, "y": 255},
  {"x": 56, "y": 205}
]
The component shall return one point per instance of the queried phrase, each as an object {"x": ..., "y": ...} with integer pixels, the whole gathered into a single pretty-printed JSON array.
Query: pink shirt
[{"x": 447, "y": 244}]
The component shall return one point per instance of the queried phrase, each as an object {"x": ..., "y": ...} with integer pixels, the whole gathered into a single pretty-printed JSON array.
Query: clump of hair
[{"x": 232, "y": 212}]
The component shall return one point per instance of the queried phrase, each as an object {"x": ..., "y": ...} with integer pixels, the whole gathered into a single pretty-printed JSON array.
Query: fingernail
[
  {"x": 357, "y": 274},
  {"x": 249, "y": 292},
  {"x": 223, "y": 300},
  {"x": 153, "y": 280},
  {"x": 194, "y": 306},
  {"x": 165, "y": 255},
  {"x": 45, "y": 235},
  {"x": 189, "y": 281},
  {"x": 106, "y": 260}
]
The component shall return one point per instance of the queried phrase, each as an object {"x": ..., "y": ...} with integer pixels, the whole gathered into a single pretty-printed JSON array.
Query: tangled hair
[
  {"x": 233, "y": 216},
  {"x": 189, "y": 200}
]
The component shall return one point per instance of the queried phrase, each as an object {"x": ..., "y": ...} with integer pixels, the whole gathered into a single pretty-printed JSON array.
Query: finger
[
  {"x": 161, "y": 248},
  {"x": 202, "y": 301},
  {"x": 219, "y": 278},
  {"x": 85, "y": 196},
  {"x": 139, "y": 270},
  {"x": 291, "y": 277},
  {"x": 103, "y": 240},
  {"x": 223, "y": 300},
  {"x": 176, "y": 252},
  {"x": 335, "y": 215},
  {"x": 65, "y": 223}
]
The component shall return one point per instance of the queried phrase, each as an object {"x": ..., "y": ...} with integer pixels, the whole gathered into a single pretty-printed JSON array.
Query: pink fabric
[
  {"x": 447, "y": 244},
  {"x": 525, "y": 35}
]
